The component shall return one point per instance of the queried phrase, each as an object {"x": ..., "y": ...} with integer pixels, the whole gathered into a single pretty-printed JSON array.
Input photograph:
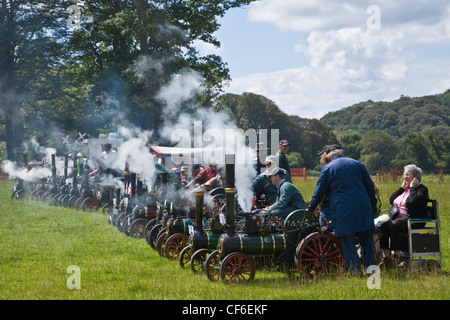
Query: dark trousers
[
  {"x": 394, "y": 234},
  {"x": 351, "y": 258}
]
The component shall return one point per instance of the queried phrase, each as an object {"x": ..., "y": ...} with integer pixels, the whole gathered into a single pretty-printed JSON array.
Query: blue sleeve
[
  {"x": 320, "y": 191},
  {"x": 370, "y": 187}
]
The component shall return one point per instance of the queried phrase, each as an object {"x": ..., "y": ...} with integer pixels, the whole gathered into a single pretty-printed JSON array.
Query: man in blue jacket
[{"x": 351, "y": 194}]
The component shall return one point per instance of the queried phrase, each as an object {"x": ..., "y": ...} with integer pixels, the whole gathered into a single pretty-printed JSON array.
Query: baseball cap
[
  {"x": 284, "y": 143},
  {"x": 277, "y": 171}
]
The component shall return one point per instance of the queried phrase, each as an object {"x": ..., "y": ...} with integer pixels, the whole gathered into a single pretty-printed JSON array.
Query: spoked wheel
[
  {"x": 137, "y": 228},
  {"x": 212, "y": 266},
  {"x": 174, "y": 244},
  {"x": 120, "y": 223},
  {"x": 107, "y": 208},
  {"x": 78, "y": 203},
  {"x": 72, "y": 201},
  {"x": 198, "y": 260},
  {"x": 319, "y": 253},
  {"x": 40, "y": 194},
  {"x": 236, "y": 268},
  {"x": 185, "y": 257},
  {"x": 160, "y": 243},
  {"x": 90, "y": 204},
  {"x": 148, "y": 227},
  {"x": 152, "y": 236}
]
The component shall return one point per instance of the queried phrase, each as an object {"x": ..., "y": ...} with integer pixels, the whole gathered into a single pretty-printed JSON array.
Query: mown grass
[{"x": 39, "y": 242}]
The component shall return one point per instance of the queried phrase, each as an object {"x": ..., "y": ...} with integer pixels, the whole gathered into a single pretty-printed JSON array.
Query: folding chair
[{"x": 424, "y": 236}]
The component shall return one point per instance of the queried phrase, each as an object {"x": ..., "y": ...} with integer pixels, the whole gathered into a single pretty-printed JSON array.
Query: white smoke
[
  {"x": 41, "y": 169},
  {"x": 136, "y": 153},
  {"x": 32, "y": 175},
  {"x": 214, "y": 132}
]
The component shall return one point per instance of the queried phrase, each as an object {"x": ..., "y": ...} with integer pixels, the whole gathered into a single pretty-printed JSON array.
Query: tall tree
[
  {"x": 31, "y": 35},
  {"x": 133, "y": 48}
]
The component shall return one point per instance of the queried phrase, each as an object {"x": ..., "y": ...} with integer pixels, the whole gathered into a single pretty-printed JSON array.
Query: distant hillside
[{"x": 398, "y": 118}]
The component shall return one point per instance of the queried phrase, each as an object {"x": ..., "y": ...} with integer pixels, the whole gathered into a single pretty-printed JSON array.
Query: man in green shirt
[{"x": 289, "y": 197}]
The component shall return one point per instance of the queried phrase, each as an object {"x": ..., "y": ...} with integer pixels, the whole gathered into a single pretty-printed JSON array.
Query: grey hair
[
  {"x": 415, "y": 171},
  {"x": 333, "y": 153}
]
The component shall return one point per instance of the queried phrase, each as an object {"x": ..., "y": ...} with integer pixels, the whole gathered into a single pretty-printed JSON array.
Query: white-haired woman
[{"x": 411, "y": 199}]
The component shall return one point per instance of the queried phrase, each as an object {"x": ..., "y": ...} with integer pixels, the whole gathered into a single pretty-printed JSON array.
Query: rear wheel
[
  {"x": 319, "y": 253},
  {"x": 90, "y": 204}
]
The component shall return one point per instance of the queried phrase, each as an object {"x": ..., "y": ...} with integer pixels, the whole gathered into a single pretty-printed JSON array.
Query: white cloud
[
  {"x": 424, "y": 20},
  {"x": 205, "y": 48},
  {"x": 346, "y": 66},
  {"x": 349, "y": 62}
]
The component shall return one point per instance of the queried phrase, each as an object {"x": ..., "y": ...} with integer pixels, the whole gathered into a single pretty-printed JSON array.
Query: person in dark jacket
[
  {"x": 411, "y": 199},
  {"x": 351, "y": 194},
  {"x": 262, "y": 186},
  {"x": 283, "y": 162}
]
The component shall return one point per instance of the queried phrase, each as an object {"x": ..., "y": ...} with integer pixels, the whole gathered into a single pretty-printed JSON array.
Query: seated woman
[{"x": 411, "y": 199}]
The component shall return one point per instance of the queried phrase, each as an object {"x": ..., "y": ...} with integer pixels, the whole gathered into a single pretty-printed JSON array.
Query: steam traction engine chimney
[
  {"x": 66, "y": 167},
  {"x": 230, "y": 192},
  {"x": 199, "y": 210},
  {"x": 54, "y": 188}
]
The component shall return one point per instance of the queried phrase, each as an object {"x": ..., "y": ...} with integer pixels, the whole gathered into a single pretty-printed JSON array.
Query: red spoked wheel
[
  {"x": 212, "y": 266},
  {"x": 174, "y": 244},
  {"x": 185, "y": 257},
  {"x": 237, "y": 268},
  {"x": 160, "y": 244},
  {"x": 198, "y": 260},
  {"x": 90, "y": 204},
  {"x": 319, "y": 253}
]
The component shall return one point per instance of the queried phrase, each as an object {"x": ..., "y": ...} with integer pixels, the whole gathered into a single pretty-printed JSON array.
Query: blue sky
[{"x": 315, "y": 56}]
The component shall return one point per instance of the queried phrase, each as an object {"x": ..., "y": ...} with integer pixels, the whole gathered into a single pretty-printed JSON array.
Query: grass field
[{"x": 40, "y": 242}]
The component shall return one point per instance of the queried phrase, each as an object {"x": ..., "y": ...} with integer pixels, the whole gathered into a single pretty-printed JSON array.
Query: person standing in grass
[
  {"x": 283, "y": 162},
  {"x": 351, "y": 194}
]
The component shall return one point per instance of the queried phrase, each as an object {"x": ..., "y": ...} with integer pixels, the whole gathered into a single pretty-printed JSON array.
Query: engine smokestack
[
  {"x": 230, "y": 191},
  {"x": 199, "y": 210}
]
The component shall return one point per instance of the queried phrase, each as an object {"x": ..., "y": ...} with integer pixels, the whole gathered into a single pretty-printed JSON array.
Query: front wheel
[
  {"x": 174, "y": 244},
  {"x": 198, "y": 260},
  {"x": 212, "y": 266},
  {"x": 237, "y": 268}
]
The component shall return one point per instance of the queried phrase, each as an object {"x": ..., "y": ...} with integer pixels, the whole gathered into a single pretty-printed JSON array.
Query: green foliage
[
  {"x": 306, "y": 136},
  {"x": 398, "y": 118},
  {"x": 108, "y": 71},
  {"x": 295, "y": 159},
  {"x": 378, "y": 148},
  {"x": 394, "y": 134}
]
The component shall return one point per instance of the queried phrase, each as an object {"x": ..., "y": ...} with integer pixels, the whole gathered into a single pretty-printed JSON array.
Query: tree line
[
  {"x": 393, "y": 134},
  {"x": 57, "y": 79},
  {"x": 105, "y": 69}
]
